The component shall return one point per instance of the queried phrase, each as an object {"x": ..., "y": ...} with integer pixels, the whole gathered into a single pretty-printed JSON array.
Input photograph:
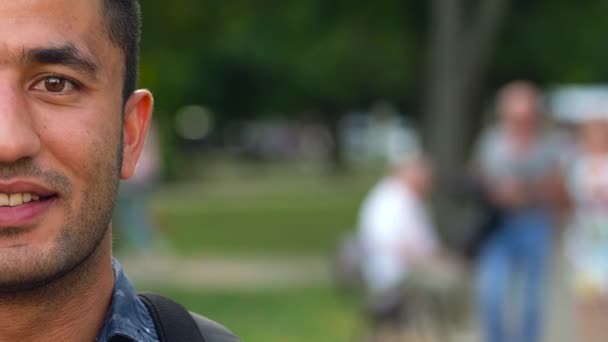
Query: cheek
[{"x": 80, "y": 145}]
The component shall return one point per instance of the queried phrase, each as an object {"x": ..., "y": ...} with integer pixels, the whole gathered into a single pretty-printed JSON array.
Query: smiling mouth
[{"x": 21, "y": 198}]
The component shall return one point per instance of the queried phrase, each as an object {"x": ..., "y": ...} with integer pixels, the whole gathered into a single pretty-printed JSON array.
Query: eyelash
[{"x": 75, "y": 84}]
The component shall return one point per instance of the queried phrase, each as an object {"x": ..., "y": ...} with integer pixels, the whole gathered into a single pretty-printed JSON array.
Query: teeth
[{"x": 14, "y": 200}]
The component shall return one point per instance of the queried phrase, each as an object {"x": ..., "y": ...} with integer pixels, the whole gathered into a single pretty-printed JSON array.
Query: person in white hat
[
  {"x": 397, "y": 235},
  {"x": 587, "y": 238}
]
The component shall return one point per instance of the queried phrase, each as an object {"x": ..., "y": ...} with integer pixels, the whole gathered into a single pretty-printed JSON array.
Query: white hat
[{"x": 578, "y": 103}]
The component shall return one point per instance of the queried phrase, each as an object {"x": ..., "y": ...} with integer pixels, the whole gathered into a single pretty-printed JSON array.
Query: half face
[{"x": 60, "y": 137}]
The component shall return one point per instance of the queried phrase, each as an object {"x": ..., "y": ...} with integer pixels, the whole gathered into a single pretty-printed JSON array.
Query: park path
[
  {"x": 227, "y": 272},
  {"x": 216, "y": 272}
]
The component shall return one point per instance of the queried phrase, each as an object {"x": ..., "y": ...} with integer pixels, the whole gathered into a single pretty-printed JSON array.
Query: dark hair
[{"x": 123, "y": 24}]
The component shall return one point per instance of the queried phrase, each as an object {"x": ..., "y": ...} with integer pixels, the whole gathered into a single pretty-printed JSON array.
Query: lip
[
  {"x": 26, "y": 214},
  {"x": 22, "y": 186}
]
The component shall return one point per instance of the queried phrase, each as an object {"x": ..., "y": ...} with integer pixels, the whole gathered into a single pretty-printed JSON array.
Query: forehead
[
  {"x": 28, "y": 24},
  {"x": 519, "y": 95}
]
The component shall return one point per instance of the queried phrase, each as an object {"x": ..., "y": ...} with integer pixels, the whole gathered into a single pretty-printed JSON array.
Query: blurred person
[
  {"x": 517, "y": 162},
  {"x": 587, "y": 240},
  {"x": 72, "y": 124},
  {"x": 397, "y": 238}
]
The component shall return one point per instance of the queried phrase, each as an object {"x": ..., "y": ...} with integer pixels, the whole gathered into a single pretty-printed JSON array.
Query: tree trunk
[{"x": 461, "y": 43}]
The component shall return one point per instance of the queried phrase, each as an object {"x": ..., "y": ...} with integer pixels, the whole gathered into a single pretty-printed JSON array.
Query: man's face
[
  {"x": 418, "y": 175},
  {"x": 520, "y": 109},
  {"x": 60, "y": 137},
  {"x": 422, "y": 177}
]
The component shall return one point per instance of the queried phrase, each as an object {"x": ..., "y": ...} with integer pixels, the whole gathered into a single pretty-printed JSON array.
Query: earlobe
[{"x": 137, "y": 115}]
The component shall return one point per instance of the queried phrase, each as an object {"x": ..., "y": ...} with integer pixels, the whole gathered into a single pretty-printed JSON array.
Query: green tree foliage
[
  {"x": 244, "y": 58},
  {"x": 554, "y": 41}
]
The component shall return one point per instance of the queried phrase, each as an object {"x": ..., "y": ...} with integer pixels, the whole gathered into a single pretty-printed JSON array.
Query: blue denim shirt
[{"x": 128, "y": 318}]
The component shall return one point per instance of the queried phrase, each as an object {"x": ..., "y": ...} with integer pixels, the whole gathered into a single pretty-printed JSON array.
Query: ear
[{"x": 138, "y": 112}]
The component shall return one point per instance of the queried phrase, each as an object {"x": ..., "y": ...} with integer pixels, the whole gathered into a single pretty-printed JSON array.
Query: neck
[{"x": 71, "y": 308}]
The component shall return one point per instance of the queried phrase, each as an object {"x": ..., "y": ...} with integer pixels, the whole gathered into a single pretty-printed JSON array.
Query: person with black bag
[{"x": 516, "y": 161}]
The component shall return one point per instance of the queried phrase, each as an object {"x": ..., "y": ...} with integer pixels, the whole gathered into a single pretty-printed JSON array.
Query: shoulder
[
  {"x": 488, "y": 145},
  {"x": 174, "y": 323},
  {"x": 387, "y": 188},
  {"x": 491, "y": 136},
  {"x": 384, "y": 211},
  {"x": 386, "y": 195},
  {"x": 213, "y": 331}
]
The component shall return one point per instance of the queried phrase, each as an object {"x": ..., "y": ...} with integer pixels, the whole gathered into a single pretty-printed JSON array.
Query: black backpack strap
[
  {"x": 175, "y": 324},
  {"x": 213, "y": 331},
  {"x": 172, "y": 321}
]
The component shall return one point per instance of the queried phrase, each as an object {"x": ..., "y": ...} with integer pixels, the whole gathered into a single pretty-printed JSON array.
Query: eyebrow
[{"x": 67, "y": 55}]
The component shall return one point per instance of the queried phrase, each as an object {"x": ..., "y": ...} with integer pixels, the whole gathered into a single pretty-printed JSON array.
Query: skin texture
[{"x": 61, "y": 128}]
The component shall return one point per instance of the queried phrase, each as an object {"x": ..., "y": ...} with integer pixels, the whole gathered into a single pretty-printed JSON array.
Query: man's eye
[{"x": 55, "y": 84}]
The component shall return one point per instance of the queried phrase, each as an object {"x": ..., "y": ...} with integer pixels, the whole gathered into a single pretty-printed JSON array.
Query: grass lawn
[
  {"x": 278, "y": 213},
  {"x": 298, "y": 315}
]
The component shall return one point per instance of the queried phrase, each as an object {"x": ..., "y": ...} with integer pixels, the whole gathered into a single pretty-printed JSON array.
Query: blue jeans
[{"x": 518, "y": 250}]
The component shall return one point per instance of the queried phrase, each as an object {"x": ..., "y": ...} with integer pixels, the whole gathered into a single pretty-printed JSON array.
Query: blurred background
[{"x": 274, "y": 119}]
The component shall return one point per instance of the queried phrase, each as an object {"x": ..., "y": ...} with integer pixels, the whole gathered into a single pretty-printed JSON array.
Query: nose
[{"x": 18, "y": 136}]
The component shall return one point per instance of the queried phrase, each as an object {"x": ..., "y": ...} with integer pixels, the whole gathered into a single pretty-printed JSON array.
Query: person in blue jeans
[
  {"x": 521, "y": 247},
  {"x": 517, "y": 162}
]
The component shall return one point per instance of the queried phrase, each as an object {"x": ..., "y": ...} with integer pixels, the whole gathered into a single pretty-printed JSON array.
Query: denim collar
[{"x": 128, "y": 318}]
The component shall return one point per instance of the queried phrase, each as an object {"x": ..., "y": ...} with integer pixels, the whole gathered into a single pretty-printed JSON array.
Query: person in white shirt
[
  {"x": 397, "y": 237},
  {"x": 395, "y": 226}
]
